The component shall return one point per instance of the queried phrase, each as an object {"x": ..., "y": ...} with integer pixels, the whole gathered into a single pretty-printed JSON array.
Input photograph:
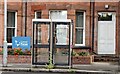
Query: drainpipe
[
  {"x": 119, "y": 35},
  {"x": 90, "y": 26},
  {"x": 92, "y": 12},
  {"x": 26, "y": 18}
]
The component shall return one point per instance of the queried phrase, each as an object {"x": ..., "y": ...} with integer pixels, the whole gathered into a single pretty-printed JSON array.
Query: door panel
[
  {"x": 106, "y": 36},
  {"x": 61, "y": 46},
  {"x": 41, "y": 44},
  {"x": 42, "y": 55}
]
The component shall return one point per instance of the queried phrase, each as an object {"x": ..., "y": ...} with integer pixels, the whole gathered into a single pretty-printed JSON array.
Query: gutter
[{"x": 92, "y": 20}]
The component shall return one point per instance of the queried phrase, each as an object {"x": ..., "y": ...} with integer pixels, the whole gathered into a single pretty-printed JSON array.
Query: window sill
[{"x": 9, "y": 44}]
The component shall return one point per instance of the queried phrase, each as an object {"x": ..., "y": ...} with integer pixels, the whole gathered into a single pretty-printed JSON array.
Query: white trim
[
  {"x": 15, "y": 25},
  {"x": 9, "y": 44},
  {"x": 83, "y": 31},
  {"x": 35, "y": 14},
  {"x": 114, "y": 31},
  {"x": 11, "y": 27},
  {"x": 49, "y": 20}
]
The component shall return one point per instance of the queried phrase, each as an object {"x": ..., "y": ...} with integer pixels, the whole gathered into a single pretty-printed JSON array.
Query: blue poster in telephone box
[{"x": 21, "y": 42}]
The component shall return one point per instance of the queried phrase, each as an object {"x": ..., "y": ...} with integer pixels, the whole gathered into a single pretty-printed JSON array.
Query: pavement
[{"x": 97, "y": 67}]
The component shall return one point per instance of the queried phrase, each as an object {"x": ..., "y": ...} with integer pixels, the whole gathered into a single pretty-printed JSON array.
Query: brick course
[{"x": 17, "y": 59}]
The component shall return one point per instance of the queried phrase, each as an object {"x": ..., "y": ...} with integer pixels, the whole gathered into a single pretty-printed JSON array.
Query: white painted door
[{"x": 106, "y": 33}]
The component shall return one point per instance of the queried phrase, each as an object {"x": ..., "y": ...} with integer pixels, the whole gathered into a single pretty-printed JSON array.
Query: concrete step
[{"x": 106, "y": 58}]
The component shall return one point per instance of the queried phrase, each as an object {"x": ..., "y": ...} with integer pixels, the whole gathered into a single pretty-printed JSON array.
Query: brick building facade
[{"x": 102, "y": 40}]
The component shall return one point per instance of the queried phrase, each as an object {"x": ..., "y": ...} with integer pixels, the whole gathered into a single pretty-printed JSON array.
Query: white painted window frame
[
  {"x": 84, "y": 15},
  {"x": 35, "y": 14},
  {"x": 15, "y": 25}
]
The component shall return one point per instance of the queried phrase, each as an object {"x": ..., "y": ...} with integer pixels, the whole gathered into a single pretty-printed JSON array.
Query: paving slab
[{"x": 93, "y": 68}]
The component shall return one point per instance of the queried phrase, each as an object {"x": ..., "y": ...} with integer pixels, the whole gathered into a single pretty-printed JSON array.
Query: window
[
  {"x": 104, "y": 16},
  {"x": 58, "y": 14},
  {"x": 38, "y": 14},
  {"x": 11, "y": 26},
  {"x": 80, "y": 28},
  {"x": 61, "y": 30},
  {"x": 38, "y": 29}
]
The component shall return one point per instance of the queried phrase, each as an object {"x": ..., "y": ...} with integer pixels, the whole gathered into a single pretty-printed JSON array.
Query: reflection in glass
[
  {"x": 10, "y": 34},
  {"x": 42, "y": 55},
  {"x": 41, "y": 34},
  {"x": 61, "y": 56},
  {"x": 62, "y": 33},
  {"x": 79, "y": 36}
]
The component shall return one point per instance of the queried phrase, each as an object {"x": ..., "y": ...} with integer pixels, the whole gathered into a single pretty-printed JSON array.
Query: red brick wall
[
  {"x": 17, "y": 59},
  {"x": 71, "y": 8},
  {"x": 83, "y": 6}
]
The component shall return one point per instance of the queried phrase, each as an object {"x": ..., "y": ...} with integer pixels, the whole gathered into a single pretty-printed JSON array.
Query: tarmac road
[{"x": 12, "y": 72}]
